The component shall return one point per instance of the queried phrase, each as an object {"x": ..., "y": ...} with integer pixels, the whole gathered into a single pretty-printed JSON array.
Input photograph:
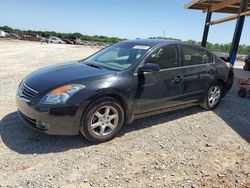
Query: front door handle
[{"x": 177, "y": 79}]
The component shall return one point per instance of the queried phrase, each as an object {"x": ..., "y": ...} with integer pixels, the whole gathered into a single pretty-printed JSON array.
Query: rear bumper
[{"x": 54, "y": 120}]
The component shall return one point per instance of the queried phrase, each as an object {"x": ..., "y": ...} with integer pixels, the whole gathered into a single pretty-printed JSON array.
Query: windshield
[{"x": 118, "y": 57}]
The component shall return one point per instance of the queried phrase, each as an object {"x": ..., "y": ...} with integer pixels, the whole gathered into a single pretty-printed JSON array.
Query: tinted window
[
  {"x": 166, "y": 57},
  {"x": 193, "y": 55}
]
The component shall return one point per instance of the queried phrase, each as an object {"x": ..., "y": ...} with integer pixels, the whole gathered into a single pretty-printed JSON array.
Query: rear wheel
[
  {"x": 213, "y": 96},
  {"x": 103, "y": 120}
]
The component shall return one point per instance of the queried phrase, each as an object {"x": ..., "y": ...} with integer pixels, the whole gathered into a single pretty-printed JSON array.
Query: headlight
[{"x": 61, "y": 94}]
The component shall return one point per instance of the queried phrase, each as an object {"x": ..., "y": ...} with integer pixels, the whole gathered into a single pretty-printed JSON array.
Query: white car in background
[
  {"x": 55, "y": 40},
  {"x": 3, "y": 33}
]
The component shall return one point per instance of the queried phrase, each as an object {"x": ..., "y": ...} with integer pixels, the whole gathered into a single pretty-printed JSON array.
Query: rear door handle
[
  {"x": 177, "y": 79},
  {"x": 211, "y": 71}
]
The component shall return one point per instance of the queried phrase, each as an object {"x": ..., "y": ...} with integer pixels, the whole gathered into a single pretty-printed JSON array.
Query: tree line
[
  {"x": 243, "y": 49},
  {"x": 70, "y": 36}
]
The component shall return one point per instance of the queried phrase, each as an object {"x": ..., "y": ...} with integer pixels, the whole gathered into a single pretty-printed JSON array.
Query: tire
[
  {"x": 245, "y": 67},
  {"x": 248, "y": 67},
  {"x": 103, "y": 120},
  {"x": 213, "y": 96},
  {"x": 242, "y": 93}
]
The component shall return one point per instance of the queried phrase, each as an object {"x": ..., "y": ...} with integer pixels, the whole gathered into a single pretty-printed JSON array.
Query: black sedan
[{"x": 120, "y": 83}]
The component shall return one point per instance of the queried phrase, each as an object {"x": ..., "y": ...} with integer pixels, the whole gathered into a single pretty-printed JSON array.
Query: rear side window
[
  {"x": 193, "y": 55},
  {"x": 166, "y": 57}
]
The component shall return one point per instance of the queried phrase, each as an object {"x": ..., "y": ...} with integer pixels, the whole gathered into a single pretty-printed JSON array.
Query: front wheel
[
  {"x": 213, "y": 97},
  {"x": 103, "y": 120}
]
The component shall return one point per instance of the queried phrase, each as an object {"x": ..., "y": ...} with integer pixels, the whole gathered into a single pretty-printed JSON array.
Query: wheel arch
[
  {"x": 115, "y": 95},
  {"x": 226, "y": 81},
  {"x": 222, "y": 82},
  {"x": 223, "y": 85}
]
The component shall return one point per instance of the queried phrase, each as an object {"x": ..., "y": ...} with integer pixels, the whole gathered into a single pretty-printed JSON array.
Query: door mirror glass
[{"x": 149, "y": 67}]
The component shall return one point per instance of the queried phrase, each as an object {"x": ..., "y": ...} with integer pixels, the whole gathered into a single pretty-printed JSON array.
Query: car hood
[{"x": 58, "y": 75}]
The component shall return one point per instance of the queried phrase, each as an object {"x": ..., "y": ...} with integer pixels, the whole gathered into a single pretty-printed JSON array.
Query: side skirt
[{"x": 157, "y": 112}]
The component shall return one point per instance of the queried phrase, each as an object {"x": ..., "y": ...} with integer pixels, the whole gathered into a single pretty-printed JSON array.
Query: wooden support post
[{"x": 206, "y": 29}]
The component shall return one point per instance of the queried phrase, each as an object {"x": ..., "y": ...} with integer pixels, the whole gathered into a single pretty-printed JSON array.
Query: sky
[{"x": 126, "y": 19}]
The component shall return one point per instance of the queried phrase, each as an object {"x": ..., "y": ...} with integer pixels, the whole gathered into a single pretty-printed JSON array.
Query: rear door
[{"x": 198, "y": 70}]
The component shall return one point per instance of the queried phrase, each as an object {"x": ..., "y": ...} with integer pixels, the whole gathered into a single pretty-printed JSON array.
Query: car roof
[
  {"x": 152, "y": 42},
  {"x": 156, "y": 42}
]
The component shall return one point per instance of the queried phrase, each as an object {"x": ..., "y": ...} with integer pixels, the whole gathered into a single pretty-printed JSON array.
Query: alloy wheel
[
  {"x": 104, "y": 121},
  {"x": 214, "y": 96}
]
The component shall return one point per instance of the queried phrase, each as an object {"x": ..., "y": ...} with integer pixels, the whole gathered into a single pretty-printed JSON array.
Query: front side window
[
  {"x": 166, "y": 57},
  {"x": 119, "y": 56},
  {"x": 193, "y": 55}
]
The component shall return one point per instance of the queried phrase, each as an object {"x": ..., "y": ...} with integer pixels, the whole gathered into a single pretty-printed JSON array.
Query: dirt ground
[{"x": 186, "y": 148}]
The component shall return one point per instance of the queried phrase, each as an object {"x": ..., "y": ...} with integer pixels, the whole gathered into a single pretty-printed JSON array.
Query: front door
[{"x": 160, "y": 89}]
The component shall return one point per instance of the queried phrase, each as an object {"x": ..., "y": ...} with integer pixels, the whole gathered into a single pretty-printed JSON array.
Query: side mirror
[{"x": 149, "y": 67}]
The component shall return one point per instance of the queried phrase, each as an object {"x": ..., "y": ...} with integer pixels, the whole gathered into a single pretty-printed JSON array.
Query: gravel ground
[{"x": 186, "y": 148}]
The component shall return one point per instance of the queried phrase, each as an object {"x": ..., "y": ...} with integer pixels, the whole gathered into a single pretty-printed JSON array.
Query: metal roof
[{"x": 223, "y": 6}]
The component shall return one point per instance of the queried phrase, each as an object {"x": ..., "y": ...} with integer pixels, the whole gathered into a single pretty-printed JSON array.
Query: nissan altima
[{"x": 122, "y": 82}]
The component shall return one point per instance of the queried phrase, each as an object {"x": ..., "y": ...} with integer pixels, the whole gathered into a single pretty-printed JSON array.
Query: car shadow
[
  {"x": 235, "y": 111},
  {"x": 18, "y": 137},
  {"x": 24, "y": 140}
]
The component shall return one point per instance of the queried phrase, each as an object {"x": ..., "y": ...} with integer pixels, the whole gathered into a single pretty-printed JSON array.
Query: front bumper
[{"x": 50, "y": 119}]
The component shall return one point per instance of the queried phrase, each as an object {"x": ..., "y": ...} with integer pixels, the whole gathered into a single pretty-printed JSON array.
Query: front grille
[{"x": 27, "y": 93}]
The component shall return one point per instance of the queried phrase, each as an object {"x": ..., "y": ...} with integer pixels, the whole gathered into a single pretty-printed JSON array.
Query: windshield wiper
[{"x": 93, "y": 65}]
